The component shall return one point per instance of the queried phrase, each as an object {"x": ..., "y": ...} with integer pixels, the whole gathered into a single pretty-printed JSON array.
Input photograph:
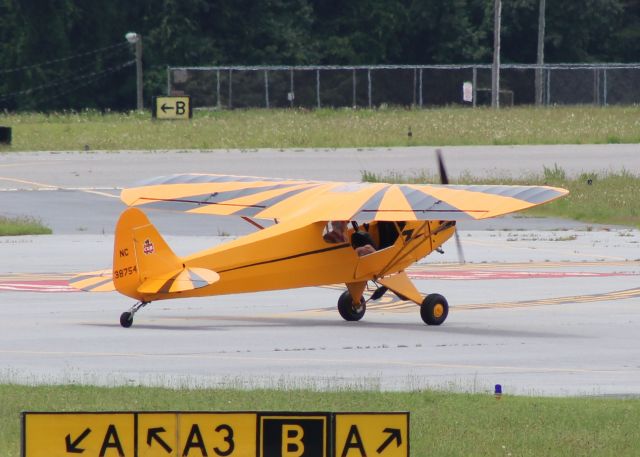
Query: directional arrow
[
  {"x": 154, "y": 434},
  {"x": 166, "y": 107},
  {"x": 394, "y": 434},
  {"x": 72, "y": 446}
]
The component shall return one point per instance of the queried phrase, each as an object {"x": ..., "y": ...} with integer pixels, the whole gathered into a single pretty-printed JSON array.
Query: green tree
[
  {"x": 359, "y": 31},
  {"x": 446, "y": 32},
  {"x": 269, "y": 32}
]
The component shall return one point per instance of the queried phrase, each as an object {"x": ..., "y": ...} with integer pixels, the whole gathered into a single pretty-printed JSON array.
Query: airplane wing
[{"x": 310, "y": 201}]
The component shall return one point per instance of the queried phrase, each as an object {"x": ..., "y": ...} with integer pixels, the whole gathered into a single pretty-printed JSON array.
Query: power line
[
  {"x": 63, "y": 59},
  {"x": 82, "y": 84},
  {"x": 67, "y": 80}
]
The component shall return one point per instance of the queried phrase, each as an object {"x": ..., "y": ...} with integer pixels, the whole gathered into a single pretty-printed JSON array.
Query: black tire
[
  {"x": 126, "y": 319},
  {"x": 434, "y": 309},
  {"x": 347, "y": 310}
]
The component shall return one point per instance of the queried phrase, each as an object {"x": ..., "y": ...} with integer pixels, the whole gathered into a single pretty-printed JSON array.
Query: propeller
[{"x": 444, "y": 179}]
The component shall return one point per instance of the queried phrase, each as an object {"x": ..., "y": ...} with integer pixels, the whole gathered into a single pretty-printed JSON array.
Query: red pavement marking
[
  {"x": 43, "y": 285},
  {"x": 62, "y": 285}
]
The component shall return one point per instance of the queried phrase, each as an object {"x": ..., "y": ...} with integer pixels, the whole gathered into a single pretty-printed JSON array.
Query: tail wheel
[
  {"x": 434, "y": 309},
  {"x": 126, "y": 319},
  {"x": 348, "y": 309}
]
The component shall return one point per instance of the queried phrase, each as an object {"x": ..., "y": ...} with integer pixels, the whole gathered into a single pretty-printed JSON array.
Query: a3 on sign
[{"x": 196, "y": 434}]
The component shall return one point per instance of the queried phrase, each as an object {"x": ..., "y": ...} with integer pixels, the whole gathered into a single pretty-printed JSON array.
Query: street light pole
[
  {"x": 495, "y": 69},
  {"x": 136, "y": 40},
  {"x": 540, "y": 59}
]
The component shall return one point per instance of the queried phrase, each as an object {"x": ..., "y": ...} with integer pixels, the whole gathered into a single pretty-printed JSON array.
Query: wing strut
[{"x": 252, "y": 222}]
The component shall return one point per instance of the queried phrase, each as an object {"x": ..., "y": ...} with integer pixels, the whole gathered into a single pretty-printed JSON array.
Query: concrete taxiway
[{"x": 549, "y": 311}]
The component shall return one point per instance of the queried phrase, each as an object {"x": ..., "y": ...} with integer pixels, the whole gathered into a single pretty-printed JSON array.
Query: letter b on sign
[
  {"x": 292, "y": 445},
  {"x": 293, "y": 436}
]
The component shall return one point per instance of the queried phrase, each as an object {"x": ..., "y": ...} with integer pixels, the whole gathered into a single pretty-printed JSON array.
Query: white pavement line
[{"x": 328, "y": 360}]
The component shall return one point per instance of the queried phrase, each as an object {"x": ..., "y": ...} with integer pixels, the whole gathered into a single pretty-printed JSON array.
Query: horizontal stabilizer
[
  {"x": 94, "y": 281},
  {"x": 179, "y": 281}
]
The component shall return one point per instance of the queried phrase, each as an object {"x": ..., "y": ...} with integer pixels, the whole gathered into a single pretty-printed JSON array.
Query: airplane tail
[{"x": 145, "y": 267}]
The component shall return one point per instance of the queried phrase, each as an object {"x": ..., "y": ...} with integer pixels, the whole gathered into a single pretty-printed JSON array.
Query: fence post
[
  {"x": 230, "y": 90},
  {"x": 218, "y": 103},
  {"x": 421, "y": 88},
  {"x": 266, "y": 88},
  {"x": 318, "y": 86},
  {"x": 415, "y": 76},
  {"x": 548, "y": 87},
  {"x": 604, "y": 74},
  {"x": 369, "y": 82},
  {"x": 293, "y": 94},
  {"x": 354, "y": 87},
  {"x": 474, "y": 82},
  {"x": 168, "y": 80},
  {"x": 596, "y": 88}
]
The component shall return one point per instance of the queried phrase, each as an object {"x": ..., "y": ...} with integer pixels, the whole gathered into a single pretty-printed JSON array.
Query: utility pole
[
  {"x": 136, "y": 40},
  {"x": 540, "y": 60},
  {"x": 495, "y": 69}
]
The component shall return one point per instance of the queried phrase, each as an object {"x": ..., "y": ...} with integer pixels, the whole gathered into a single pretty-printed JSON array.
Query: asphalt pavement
[{"x": 542, "y": 306}]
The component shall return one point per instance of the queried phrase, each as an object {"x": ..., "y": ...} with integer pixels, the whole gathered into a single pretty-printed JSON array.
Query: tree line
[{"x": 72, "y": 54}]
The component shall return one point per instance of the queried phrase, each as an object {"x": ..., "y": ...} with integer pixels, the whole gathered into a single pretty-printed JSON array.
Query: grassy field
[
  {"x": 249, "y": 129},
  {"x": 442, "y": 424},
  {"x": 11, "y": 226}
]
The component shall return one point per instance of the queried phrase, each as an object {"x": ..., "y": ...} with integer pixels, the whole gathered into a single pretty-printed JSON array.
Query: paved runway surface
[{"x": 550, "y": 312}]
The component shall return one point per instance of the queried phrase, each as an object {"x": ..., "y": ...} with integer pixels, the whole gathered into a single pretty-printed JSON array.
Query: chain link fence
[{"x": 410, "y": 86}]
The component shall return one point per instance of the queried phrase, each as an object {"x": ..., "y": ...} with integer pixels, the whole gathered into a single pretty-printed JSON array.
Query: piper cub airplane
[{"x": 324, "y": 233}]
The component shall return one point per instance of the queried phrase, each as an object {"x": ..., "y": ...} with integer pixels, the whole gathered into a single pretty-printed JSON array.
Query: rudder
[
  {"x": 139, "y": 253},
  {"x": 144, "y": 265}
]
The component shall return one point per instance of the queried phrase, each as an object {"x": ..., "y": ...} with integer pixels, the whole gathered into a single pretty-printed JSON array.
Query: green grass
[
  {"x": 442, "y": 424},
  {"x": 259, "y": 128},
  {"x": 606, "y": 198},
  {"x": 11, "y": 226}
]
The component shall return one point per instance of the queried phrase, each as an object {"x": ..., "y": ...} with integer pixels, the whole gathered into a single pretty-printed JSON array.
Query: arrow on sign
[
  {"x": 394, "y": 434},
  {"x": 165, "y": 108},
  {"x": 154, "y": 434},
  {"x": 72, "y": 446}
]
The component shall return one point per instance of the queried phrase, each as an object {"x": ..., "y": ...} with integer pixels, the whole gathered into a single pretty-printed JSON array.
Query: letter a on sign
[
  {"x": 111, "y": 441},
  {"x": 354, "y": 441}
]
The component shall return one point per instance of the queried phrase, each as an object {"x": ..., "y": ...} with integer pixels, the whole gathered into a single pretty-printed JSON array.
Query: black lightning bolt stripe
[{"x": 302, "y": 254}]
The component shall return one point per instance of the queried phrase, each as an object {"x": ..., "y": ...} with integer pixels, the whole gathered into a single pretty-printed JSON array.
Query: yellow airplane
[{"x": 324, "y": 233}]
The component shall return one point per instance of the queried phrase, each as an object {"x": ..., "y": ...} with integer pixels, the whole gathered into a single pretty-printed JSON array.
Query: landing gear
[
  {"x": 434, "y": 309},
  {"x": 126, "y": 318},
  {"x": 348, "y": 309}
]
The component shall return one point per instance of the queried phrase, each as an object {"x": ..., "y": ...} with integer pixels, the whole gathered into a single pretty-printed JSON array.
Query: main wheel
[
  {"x": 126, "y": 319},
  {"x": 347, "y": 308},
  {"x": 434, "y": 309}
]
